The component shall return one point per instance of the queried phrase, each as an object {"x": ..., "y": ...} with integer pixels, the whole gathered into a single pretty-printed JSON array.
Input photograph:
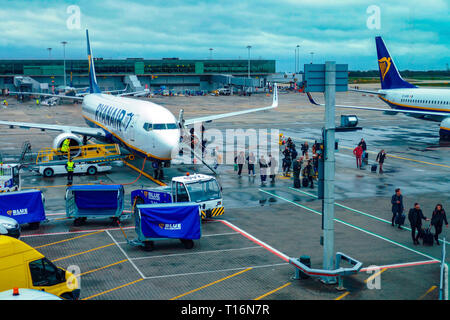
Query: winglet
[
  {"x": 93, "y": 86},
  {"x": 311, "y": 99},
  {"x": 275, "y": 96}
]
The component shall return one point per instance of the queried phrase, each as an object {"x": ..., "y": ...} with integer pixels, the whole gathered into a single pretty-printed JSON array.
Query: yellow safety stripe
[{"x": 214, "y": 212}]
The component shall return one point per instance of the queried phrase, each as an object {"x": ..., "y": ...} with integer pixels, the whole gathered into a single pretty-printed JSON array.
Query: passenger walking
[
  {"x": 240, "y": 160},
  {"x": 297, "y": 168},
  {"x": 380, "y": 159},
  {"x": 308, "y": 174},
  {"x": 397, "y": 206},
  {"x": 415, "y": 217},
  {"x": 263, "y": 169},
  {"x": 273, "y": 164},
  {"x": 304, "y": 148},
  {"x": 365, "y": 155},
  {"x": 251, "y": 164},
  {"x": 70, "y": 167},
  {"x": 358, "y": 151},
  {"x": 437, "y": 220}
]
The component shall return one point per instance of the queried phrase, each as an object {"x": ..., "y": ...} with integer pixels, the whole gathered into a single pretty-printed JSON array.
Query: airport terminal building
[{"x": 135, "y": 73}]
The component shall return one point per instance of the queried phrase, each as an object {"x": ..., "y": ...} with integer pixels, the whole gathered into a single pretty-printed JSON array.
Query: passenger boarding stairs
[{"x": 133, "y": 83}]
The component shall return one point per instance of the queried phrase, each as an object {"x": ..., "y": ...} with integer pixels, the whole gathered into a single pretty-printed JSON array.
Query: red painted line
[
  {"x": 69, "y": 232},
  {"x": 401, "y": 265},
  {"x": 257, "y": 241}
]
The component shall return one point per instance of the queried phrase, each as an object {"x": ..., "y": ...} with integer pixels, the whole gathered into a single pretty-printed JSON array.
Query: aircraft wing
[
  {"x": 425, "y": 113},
  {"x": 367, "y": 91},
  {"x": 236, "y": 113},
  {"x": 47, "y": 95},
  {"x": 92, "y": 132},
  {"x": 131, "y": 93}
]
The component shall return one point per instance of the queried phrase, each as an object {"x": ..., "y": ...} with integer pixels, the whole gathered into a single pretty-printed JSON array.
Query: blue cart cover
[
  {"x": 176, "y": 221},
  {"x": 23, "y": 206},
  {"x": 97, "y": 199}
]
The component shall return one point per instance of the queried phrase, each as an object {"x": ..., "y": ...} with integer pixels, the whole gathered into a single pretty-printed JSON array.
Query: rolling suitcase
[
  {"x": 297, "y": 183},
  {"x": 305, "y": 182},
  {"x": 427, "y": 236},
  {"x": 374, "y": 168},
  {"x": 400, "y": 219}
]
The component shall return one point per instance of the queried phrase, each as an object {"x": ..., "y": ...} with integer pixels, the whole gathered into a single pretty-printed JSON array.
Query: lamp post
[
  {"x": 49, "y": 53},
  {"x": 312, "y": 56},
  {"x": 210, "y": 53},
  {"x": 249, "y": 47},
  {"x": 64, "y": 53}
]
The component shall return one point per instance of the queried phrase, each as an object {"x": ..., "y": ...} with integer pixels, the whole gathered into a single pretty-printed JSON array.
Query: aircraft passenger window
[{"x": 172, "y": 126}]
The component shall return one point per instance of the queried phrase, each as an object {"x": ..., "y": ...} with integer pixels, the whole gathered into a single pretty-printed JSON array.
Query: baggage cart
[{"x": 23, "y": 206}]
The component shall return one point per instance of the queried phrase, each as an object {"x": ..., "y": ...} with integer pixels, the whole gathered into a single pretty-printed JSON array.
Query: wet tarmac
[{"x": 234, "y": 258}]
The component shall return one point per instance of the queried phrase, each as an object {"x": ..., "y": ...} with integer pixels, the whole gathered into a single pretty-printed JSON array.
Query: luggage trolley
[
  {"x": 166, "y": 221},
  {"x": 95, "y": 201}
]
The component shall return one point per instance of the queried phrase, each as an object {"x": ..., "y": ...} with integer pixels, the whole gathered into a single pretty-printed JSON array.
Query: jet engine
[
  {"x": 444, "y": 130},
  {"x": 75, "y": 141}
]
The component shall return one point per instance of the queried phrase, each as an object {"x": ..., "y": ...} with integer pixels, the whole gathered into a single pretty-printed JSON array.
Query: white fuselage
[
  {"x": 417, "y": 99},
  {"x": 145, "y": 128}
]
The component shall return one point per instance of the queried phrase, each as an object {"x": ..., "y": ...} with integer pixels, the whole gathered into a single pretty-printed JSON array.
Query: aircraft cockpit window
[
  {"x": 147, "y": 126},
  {"x": 159, "y": 126}
]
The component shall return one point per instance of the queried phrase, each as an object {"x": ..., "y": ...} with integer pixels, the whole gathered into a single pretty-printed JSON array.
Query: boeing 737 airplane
[
  {"x": 404, "y": 97},
  {"x": 145, "y": 128}
]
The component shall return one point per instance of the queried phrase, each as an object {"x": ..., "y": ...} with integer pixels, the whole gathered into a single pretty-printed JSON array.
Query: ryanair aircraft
[
  {"x": 403, "y": 97},
  {"x": 145, "y": 128}
]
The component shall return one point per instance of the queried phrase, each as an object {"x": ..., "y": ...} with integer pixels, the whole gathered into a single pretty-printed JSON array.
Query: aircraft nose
[{"x": 168, "y": 143}]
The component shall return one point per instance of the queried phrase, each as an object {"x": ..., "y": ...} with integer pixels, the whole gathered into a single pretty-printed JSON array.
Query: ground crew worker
[
  {"x": 37, "y": 102},
  {"x": 65, "y": 146},
  {"x": 70, "y": 166}
]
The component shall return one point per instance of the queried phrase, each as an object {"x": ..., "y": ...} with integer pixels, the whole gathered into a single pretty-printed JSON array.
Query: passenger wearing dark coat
[
  {"x": 437, "y": 220},
  {"x": 397, "y": 205},
  {"x": 415, "y": 217}
]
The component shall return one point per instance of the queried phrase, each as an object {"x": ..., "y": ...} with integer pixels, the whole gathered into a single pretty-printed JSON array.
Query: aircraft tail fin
[
  {"x": 93, "y": 86},
  {"x": 390, "y": 78}
]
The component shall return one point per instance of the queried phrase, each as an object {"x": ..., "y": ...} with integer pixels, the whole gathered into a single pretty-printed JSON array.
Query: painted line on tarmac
[
  {"x": 212, "y": 283},
  {"x": 83, "y": 252},
  {"x": 144, "y": 174},
  {"x": 375, "y": 275},
  {"x": 203, "y": 235},
  {"x": 215, "y": 271},
  {"x": 256, "y": 240},
  {"x": 353, "y": 226},
  {"x": 273, "y": 291},
  {"x": 125, "y": 254},
  {"x": 101, "y": 268},
  {"x": 65, "y": 240},
  {"x": 343, "y": 295},
  {"x": 199, "y": 252},
  {"x": 358, "y": 211},
  {"x": 70, "y": 232},
  {"x": 400, "y": 265},
  {"x": 428, "y": 291},
  {"x": 113, "y": 289}
]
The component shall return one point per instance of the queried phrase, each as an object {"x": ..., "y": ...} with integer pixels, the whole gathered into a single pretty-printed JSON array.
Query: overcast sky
[{"x": 416, "y": 32}]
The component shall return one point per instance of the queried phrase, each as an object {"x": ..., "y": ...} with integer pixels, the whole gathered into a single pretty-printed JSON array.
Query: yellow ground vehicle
[{"x": 22, "y": 266}]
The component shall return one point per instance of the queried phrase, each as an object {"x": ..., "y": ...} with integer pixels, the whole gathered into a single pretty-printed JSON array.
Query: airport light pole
[
  {"x": 297, "y": 59},
  {"x": 49, "y": 53},
  {"x": 210, "y": 53},
  {"x": 64, "y": 53},
  {"x": 312, "y": 56},
  {"x": 249, "y": 47}
]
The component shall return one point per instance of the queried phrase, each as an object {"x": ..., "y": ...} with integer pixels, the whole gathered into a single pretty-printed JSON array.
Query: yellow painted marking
[
  {"x": 375, "y": 275},
  {"x": 144, "y": 173},
  {"x": 57, "y": 186},
  {"x": 124, "y": 285},
  {"x": 275, "y": 290},
  {"x": 210, "y": 284},
  {"x": 84, "y": 235},
  {"x": 429, "y": 290},
  {"x": 87, "y": 251},
  {"x": 109, "y": 265},
  {"x": 342, "y": 295}
]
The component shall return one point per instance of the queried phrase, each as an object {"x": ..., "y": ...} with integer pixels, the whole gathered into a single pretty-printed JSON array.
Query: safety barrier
[{"x": 338, "y": 272}]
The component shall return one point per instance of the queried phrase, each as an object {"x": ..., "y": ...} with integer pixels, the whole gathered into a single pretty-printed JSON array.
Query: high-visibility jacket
[
  {"x": 65, "y": 145},
  {"x": 70, "y": 166}
]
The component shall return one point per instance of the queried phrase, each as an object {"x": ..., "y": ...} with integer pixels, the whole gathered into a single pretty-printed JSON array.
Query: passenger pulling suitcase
[
  {"x": 374, "y": 168},
  {"x": 296, "y": 183},
  {"x": 427, "y": 237}
]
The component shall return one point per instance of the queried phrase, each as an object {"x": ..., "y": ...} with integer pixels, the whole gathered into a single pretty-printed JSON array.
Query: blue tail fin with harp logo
[
  {"x": 93, "y": 86},
  {"x": 390, "y": 78}
]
